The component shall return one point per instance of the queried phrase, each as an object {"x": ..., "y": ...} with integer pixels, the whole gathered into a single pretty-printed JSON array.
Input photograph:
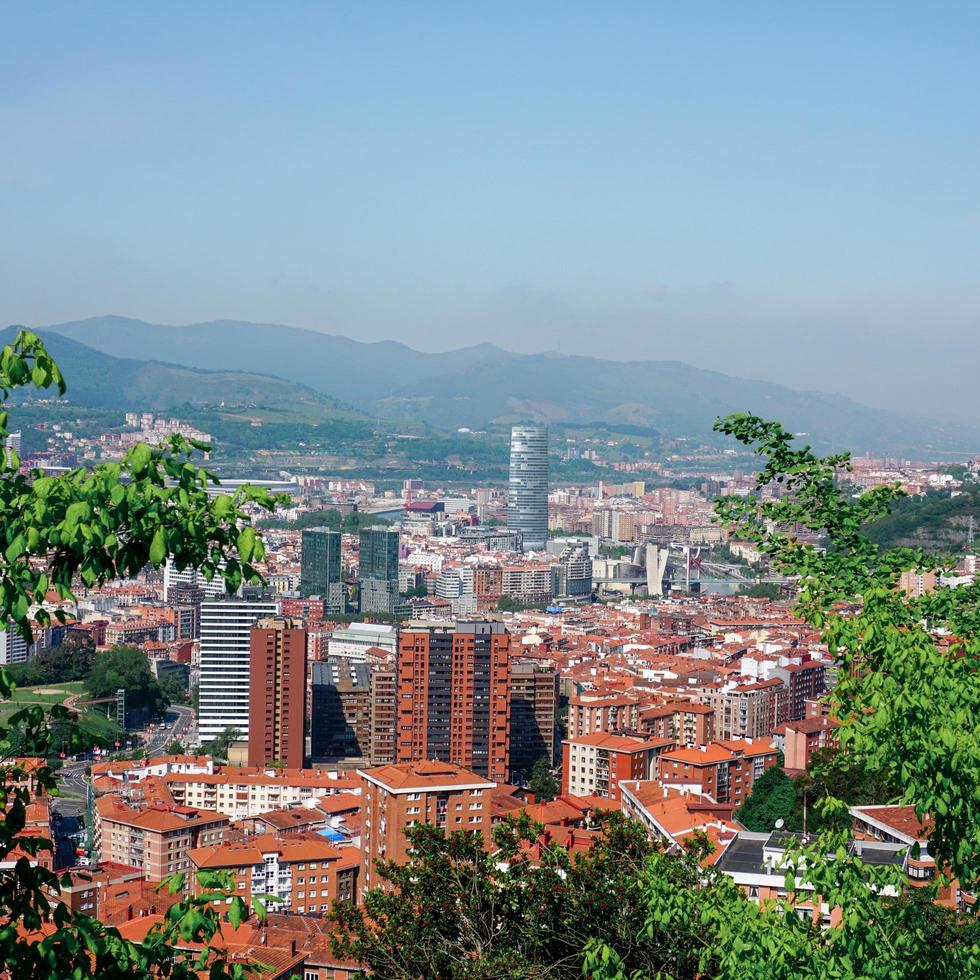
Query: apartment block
[
  {"x": 589, "y": 713},
  {"x": 305, "y": 872},
  {"x": 400, "y": 796},
  {"x": 340, "y": 719},
  {"x": 594, "y": 765},
  {"x": 277, "y": 694},
  {"x": 155, "y": 838},
  {"x": 246, "y": 792},
  {"x": 533, "y": 715},
  {"x": 226, "y": 631},
  {"x": 724, "y": 771},
  {"x": 689, "y": 725},
  {"x": 751, "y": 710},
  {"x": 454, "y": 695},
  {"x": 802, "y": 738}
]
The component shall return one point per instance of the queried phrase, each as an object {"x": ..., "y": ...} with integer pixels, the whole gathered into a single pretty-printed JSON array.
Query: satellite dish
[{"x": 779, "y": 823}]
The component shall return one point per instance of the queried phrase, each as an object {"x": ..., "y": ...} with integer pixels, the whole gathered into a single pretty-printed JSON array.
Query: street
[{"x": 178, "y": 721}]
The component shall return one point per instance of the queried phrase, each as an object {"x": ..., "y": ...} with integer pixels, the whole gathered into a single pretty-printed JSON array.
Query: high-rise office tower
[
  {"x": 277, "y": 693},
  {"x": 527, "y": 495},
  {"x": 321, "y": 573},
  {"x": 226, "y": 627},
  {"x": 378, "y": 574},
  {"x": 453, "y": 696},
  {"x": 533, "y": 716}
]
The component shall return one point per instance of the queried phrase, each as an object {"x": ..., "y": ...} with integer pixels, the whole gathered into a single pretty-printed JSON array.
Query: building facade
[
  {"x": 378, "y": 572},
  {"x": 594, "y": 765},
  {"x": 400, "y": 796},
  {"x": 533, "y": 716},
  {"x": 277, "y": 694},
  {"x": 340, "y": 718},
  {"x": 321, "y": 572},
  {"x": 454, "y": 695},
  {"x": 527, "y": 492},
  {"x": 226, "y": 631}
]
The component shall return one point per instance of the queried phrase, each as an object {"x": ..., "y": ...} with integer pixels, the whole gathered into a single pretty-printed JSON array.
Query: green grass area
[{"x": 93, "y": 719}]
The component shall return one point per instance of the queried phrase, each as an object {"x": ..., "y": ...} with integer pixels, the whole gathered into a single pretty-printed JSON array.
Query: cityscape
[{"x": 489, "y": 493}]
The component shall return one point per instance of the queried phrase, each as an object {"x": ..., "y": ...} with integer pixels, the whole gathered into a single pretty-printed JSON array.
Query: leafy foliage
[
  {"x": 94, "y": 526},
  {"x": 128, "y": 668},
  {"x": 773, "y": 798},
  {"x": 908, "y": 699},
  {"x": 456, "y": 911},
  {"x": 71, "y": 660},
  {"x": 543, "y": 783}
]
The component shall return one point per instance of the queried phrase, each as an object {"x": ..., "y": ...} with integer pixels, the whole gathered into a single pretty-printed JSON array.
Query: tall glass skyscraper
[
  {"x": 527, "y": 496},
  {"x": 379, "y": 569},
  {"x": 321, "y": 573}
]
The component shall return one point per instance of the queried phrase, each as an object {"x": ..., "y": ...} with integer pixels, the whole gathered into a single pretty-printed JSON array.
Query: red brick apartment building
[
  {"x": 802, "y": 738},
  {"x": 303, "y": 870},
  {"x": 155, "y": 838},
  {"x": 277, "y": 694},
  {"x": 689, "y": 725},
  {"x": 723, "y": 771},
  {"x": 594, "y": 765},
  {"x": 399, "y": 796},
  {"x": 454, "y": 696}
]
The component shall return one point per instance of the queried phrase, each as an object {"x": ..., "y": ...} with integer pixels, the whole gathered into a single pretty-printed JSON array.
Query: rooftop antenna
[{"x": 970, "y": 528}]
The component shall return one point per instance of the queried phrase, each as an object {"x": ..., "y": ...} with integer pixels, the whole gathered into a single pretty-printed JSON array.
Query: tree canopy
[
  {"x": 773, "y": 798},
  {"x": 543, "y": 782},
  {"x": 71, "y": 660},
  {"x": 128, "y": 668},
  {"x": 93, "y": 526}
]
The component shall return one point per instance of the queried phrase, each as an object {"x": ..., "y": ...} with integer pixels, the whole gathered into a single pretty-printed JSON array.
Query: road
[{"x": 179, "y": 720}]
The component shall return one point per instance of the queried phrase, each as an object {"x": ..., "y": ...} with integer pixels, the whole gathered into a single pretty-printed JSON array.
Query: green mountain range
[
  {"x": 484, "y": 385},
  {"x": 100, "y": 380}
]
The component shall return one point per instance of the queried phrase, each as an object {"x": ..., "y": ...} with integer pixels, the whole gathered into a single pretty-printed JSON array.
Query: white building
[
  {"x": 353, "y": 642},
  {"x": 13, "y": 649},
  {"x": 191, "y": 578},
  {"x": 226, "y": 626}
]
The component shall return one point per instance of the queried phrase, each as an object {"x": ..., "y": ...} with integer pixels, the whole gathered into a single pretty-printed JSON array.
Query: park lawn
[{"x": 92, "y": 719}]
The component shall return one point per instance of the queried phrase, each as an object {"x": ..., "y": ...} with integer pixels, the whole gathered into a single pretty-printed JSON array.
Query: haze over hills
[
  {"x": 480, "y": 385},
  {"x": 100, "y": 380}
]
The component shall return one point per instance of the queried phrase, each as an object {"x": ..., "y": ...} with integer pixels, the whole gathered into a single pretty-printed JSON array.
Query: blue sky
[{"x": 780, "y": 190}]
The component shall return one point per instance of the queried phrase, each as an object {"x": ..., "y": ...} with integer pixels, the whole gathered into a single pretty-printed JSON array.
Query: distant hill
[
  {"x": 936, "y": 522},
  {"x": 482, "y": 385},
  {"x": 351, "y": 371},
  {"x": 99, "y": 380}
]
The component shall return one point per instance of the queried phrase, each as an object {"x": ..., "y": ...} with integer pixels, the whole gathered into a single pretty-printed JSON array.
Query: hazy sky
[{"x": 781, "y": 190}]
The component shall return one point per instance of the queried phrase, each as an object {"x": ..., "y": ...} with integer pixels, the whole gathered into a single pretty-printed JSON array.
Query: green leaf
[{"x": 158, "y": 547}]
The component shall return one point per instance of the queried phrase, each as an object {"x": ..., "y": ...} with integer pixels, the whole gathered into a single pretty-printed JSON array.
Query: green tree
[
  {"x": 543, "y": 783},
  {"x": 908, "y": 698},
  {"x": 128, "y": 668},
  {"x": 93, "y": 526},
  {"x": 457, "y": 911},
  {"x": 761, "y": 590},
  {"x": 773, "y": 798},
  {"x": 70, "y": 660},
  {"x": 218, "y": 747},
  {"x": 172, "y": 688}
]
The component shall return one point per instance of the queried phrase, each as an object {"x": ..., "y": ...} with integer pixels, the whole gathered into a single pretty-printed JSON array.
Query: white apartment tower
[{"x": 226, "y": 627}]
